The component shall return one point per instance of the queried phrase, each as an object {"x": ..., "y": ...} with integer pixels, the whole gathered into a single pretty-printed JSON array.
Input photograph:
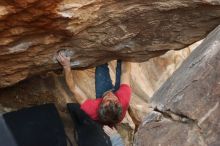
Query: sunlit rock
[{"x": 96, "y": 31}]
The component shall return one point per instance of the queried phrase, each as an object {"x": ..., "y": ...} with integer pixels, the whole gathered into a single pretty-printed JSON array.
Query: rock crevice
[{"x": 177, "y": 117}]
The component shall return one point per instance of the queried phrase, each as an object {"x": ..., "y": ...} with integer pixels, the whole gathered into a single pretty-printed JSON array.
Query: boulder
[
  {"x": 186, "y": 107},
  {"x": 146, "y": 78},
  {"x": 96, "y": 31}
]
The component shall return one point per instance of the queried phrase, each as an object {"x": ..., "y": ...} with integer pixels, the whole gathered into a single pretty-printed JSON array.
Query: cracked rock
[{"x": 191, "y": 100}]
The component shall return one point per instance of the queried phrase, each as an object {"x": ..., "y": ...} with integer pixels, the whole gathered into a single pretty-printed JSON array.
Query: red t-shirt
[{"x": 90, "y": 106}]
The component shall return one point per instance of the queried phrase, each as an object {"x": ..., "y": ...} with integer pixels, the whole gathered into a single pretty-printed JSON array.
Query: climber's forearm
[
  {"x": 78, "y": 93},
  {"x": 116, "y": 140},
  {"x": 69, "y": 78}
]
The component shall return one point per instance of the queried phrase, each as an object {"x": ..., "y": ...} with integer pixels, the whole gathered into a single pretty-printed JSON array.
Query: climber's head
[{"x": 110, "y": 110}]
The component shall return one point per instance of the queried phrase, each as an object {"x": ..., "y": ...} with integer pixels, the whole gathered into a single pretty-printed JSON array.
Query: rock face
[
  {"x": 51, "y": 87},
  {"x": 96, "y": 31},
  {"x": 186, "y": 108}
]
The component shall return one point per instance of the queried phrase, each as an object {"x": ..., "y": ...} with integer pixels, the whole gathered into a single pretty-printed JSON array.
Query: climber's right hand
[{"x": 63, "y": 59}]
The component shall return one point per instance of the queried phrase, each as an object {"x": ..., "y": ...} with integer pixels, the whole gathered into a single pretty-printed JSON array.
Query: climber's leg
[
  {"x": 103, "y": 80},
  {"x": 118, "y": 75}
]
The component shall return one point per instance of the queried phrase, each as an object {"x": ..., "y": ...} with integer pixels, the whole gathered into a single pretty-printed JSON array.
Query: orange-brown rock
[{"x": 96, "y": 31}]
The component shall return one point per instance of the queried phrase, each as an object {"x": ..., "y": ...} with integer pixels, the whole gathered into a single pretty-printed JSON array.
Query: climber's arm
[
  {"x": 114, "y": 136},
  {"x": 79, "y": 94},
  {"x": 65, "y": 62},
  {"x": 125, "y": 73}
]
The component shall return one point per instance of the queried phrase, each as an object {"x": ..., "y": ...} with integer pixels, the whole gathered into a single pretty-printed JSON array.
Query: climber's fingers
[{"x": 109, "y": 131}]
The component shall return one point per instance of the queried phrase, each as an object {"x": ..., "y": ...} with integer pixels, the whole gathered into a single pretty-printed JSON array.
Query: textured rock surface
[
  {"x": 51, "y": 87},
  {"x": 96, "y": 31},
  {"x": 187, "y": 111}
]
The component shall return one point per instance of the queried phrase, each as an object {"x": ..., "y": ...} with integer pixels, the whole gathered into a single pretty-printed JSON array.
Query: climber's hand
[
  {"x": 63, "y": 59},
  {"x": 110, "y": 131}
]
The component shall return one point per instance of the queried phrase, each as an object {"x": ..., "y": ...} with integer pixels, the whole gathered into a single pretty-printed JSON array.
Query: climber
[{"x": 112, "y": 102}]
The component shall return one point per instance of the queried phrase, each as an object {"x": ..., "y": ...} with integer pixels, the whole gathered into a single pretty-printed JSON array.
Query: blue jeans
[{"x": 103, "y": 80}]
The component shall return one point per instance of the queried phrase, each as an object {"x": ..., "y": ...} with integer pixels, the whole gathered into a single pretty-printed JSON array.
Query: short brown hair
[{"x": 110, "y": 114}]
